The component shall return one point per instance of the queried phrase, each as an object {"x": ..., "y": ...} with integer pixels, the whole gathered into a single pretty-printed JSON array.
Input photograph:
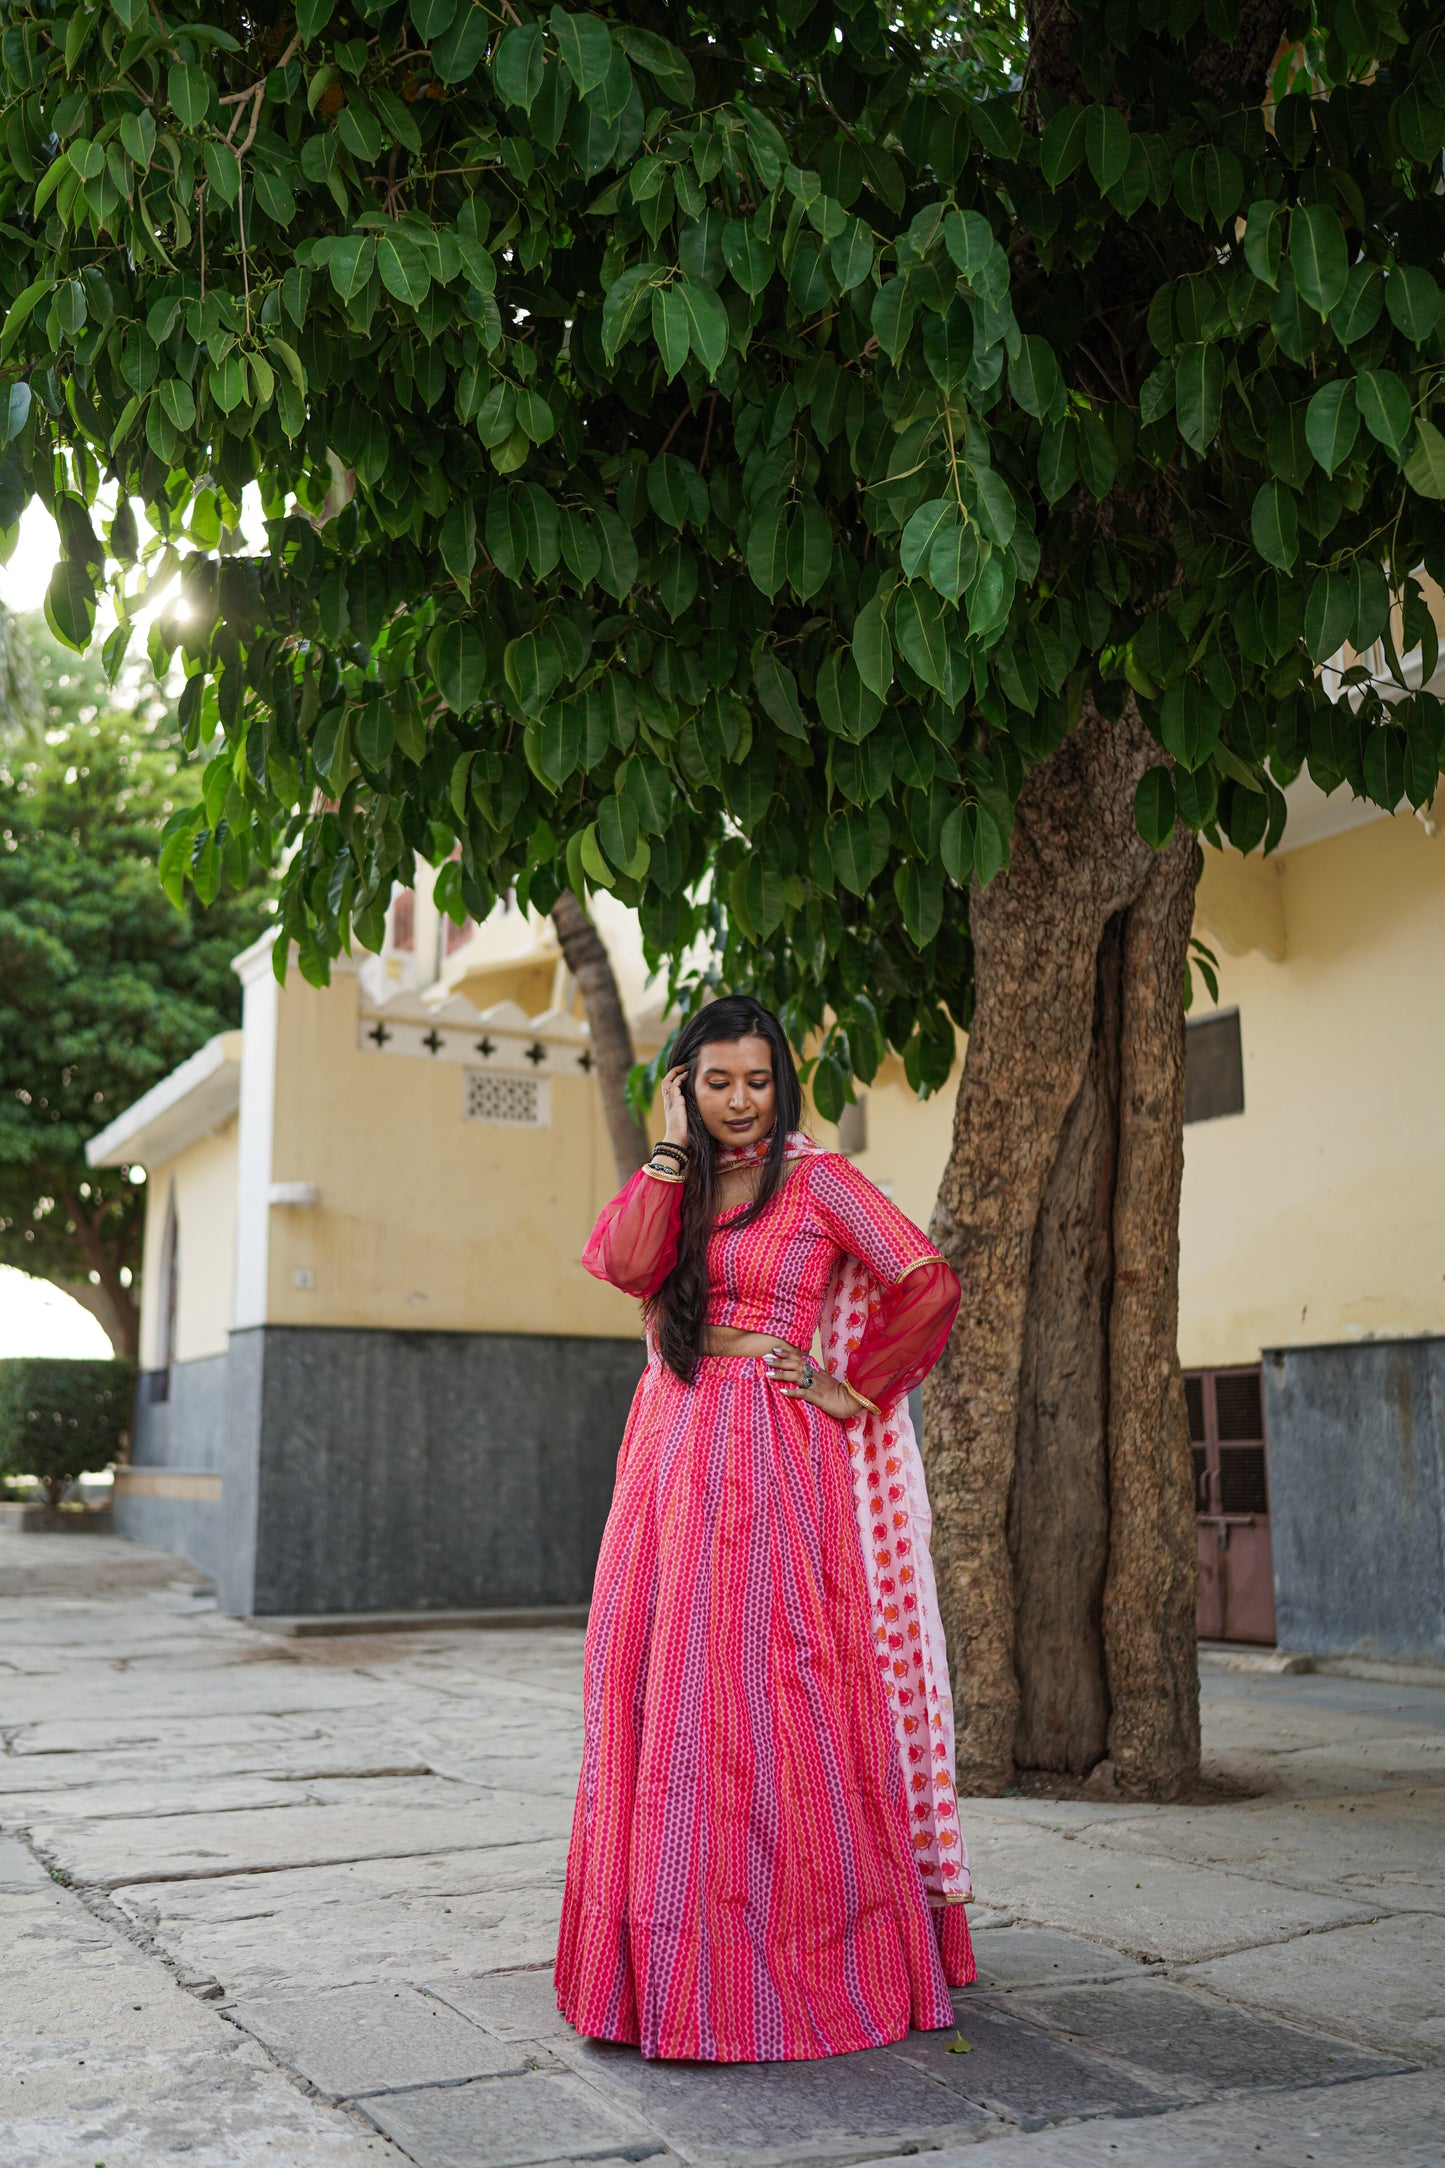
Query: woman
[{"x": 766, "y": 1777}]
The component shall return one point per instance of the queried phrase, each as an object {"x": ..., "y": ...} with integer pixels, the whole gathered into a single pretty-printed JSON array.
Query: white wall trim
[{"x": 258, "y": 1121}]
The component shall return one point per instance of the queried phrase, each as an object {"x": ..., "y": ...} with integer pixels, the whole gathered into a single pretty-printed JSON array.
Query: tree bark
[
  {"x": 106, "y": 1297},
  {"x": 1062, "y": 1578},
  {"x": 591, "y": 966}
]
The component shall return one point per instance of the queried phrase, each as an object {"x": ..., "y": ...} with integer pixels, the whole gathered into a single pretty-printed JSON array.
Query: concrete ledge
[
  {"x": 1278, "y": 1663},
  {"x": 191, "y": 1483},
  {"x": 307, "y": 1627},
  {"x": 19, "y": 1517},
  {"x": 1380, "y": 1672}
]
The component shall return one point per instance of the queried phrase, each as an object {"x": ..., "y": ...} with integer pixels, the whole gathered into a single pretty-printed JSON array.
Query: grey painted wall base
[
  {"x": 1357, "y": 1497},
  {"x": 390, "y": 1471}
]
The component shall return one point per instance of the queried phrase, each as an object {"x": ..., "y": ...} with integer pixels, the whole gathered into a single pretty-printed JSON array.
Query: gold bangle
[
  {"x": 862, "y": 1399},
  {"x": 933, "y": 1258},
  {"x": 658, "y": 1174}
]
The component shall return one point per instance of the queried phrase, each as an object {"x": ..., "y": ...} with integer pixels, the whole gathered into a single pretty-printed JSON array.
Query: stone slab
[
  {"x": 513, "y": 2005},
  {"x": 374, "y": 2039},
  {"x": 1397, "y": 2121},
  {"x": 1013, "y": 2070},
  {"x": 1382, "y": 1848},
  {"x": 1151, "y": 1907},
  {"x": 168, "y": 1848},
  {"x": 313, "y": 1625},
  {"x": 393, "y": 1920},
  {"x": 1190, "y": 2040},
  {"x": 717, "y": 2115},
  {"x": 1383, "y": 1985},
  {"x": 1010, "y": 1957},
  {"x": 19, "y": 1868},
  {"x": 510, "y": 2123}
]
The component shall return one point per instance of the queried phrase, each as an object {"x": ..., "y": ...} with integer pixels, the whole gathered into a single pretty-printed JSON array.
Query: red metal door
[{"x": 1231, "y": 1498}]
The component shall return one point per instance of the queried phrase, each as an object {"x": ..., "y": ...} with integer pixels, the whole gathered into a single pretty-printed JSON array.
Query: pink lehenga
[{"x": 766, "y": 1862}]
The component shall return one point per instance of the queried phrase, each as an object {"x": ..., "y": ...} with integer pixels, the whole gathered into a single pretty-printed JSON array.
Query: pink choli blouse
[{"x": 772, "y": 1276}]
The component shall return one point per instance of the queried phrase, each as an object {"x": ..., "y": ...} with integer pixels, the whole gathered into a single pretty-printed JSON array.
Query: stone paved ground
[{"x": 294, "y": 1902}]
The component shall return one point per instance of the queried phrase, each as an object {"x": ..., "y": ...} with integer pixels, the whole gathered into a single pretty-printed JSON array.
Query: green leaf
[
  {"x": 617, "y": 575},
  {"x": 759, "y": 889},
  {"x": 70, "y": 604},
  {"x": 1154, "y": 808},
  {"x": 403, "y": 269},
  {"x": 313, "y": 16},
  {"x": 1318, "y": 255},
  {"x": 767, "y": 545},
  {"x": 808, "y": 549},
  {"x": 858, "y": 847},
  {"x": 953, "y": 560},
  {"x": 1359, "y": 312},
  {"x": 189, "y": 91},
  {"x": 922, "y": 637},
  {"x": 1062, "y": 147},
  {"x": 670, "y": 327},
  {"x": 1414, "y": 302},
  {"x": 894, "y": 309},
  {"x": 618, "y": 829},
  {"x": 1384, "y": 403},
  {"x": 919, "y": 890},
  {"x": 222, "y": 169},
  {"x": 968, "y": 237},
  {"x": 1425, "y": 467},
  {"x": 1107, "y": 135},
  {"x": 14, "y": 411},
  {"x": 519, "y": 63},
  {"x": 1329, "y": 614},
  {"x": 938, "y": 515},
  {"x": 1263, "y": 239},
  {"x": 586, "y": 47},
  {"x": 993, "y": 823},
  {"x": 1332, "y": 422},
  {"x": 707, "y": 324},
  {"x": 778, "y": 693},
  {"x": 350, "y": 264},
  {"x": 1274, "y": 525},
  {"x": 1189, "y": 722},
  {"x": 956, "y": 844},
  {"x": 581, "y": 549},
  {"x": 847, "y": 706},
  {"x": 626, "y": 298},
  {"x": 459, "y": 663},
  {"x": 1199, "y": 395},
  {"x": 1034, "y": 379},
  {"x": 997, "y": 512},
  {"x": 850, "y": 255},
  {"x": 534, "y": 668},
  {"x": 751, "y": 260}
]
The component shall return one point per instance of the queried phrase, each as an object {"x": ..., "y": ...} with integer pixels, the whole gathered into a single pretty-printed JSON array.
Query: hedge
[{"x": 59, "y": 1418}]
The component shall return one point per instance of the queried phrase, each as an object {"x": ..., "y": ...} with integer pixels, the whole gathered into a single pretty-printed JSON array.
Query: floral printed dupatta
[{"x": 890, "y": 1498}]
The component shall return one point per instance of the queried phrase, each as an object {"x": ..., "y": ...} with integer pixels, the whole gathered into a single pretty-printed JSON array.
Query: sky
[
  {"x": 35, "y": 1318},
  {"x": 24, "y": 580}
]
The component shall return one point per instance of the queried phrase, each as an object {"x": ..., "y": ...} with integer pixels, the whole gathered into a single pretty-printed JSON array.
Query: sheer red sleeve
[
  {"x": 634, "y": 1244},
  {"x": 907, "y": 1332}
]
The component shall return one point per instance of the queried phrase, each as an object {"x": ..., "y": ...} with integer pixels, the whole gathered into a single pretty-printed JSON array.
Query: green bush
[{"x": 59, "y": 1418}]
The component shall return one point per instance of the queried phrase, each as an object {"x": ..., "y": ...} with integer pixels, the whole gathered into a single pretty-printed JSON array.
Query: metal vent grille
[
  {"x": 524, "y": 1102},
  {"x": 1238, "y": 1407},
  {"x": 1242, "y": 1487}
]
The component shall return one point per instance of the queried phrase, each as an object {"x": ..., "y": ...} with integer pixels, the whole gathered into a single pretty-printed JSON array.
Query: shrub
[{"x": 59, "y": 1418}]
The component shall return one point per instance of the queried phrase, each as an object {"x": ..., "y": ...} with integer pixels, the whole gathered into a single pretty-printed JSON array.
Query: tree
[
  {"x": 869, "y": 490},
  {"x": 104, "y": 984},
  {"x": 591, "y": 966}
]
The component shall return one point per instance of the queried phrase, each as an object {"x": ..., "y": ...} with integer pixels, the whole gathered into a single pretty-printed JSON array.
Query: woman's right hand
[{"x": 674, "y": 1105}]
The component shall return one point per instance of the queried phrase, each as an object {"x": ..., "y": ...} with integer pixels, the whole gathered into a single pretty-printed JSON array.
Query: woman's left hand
[{"x": 798, "y": 1377}]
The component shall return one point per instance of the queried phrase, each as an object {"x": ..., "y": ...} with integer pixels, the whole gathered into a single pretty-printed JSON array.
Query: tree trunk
[
  {"x": 1057, "y": 1448},
  {"x": 591, "y": 966},
  {"x": 106, "y": 1297}
]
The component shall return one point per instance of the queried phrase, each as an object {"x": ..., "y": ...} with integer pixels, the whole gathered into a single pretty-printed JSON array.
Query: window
[
  {"x": 403, "y": 921},
  {"x": 1213, "y": 1068}
]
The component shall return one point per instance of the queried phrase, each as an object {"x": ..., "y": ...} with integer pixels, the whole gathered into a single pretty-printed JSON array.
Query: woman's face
[{"x": 733, "y": 1089}]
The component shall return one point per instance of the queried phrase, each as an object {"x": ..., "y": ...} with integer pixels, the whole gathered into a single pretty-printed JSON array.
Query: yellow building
[{"x": 376, "y": 1376}]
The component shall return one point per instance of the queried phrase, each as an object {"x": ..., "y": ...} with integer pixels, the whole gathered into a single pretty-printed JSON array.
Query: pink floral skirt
[{"x": 741, "y": 1885}]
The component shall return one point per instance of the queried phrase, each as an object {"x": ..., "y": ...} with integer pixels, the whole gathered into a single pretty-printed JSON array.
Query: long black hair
[{"x": 678, "y": 1311}]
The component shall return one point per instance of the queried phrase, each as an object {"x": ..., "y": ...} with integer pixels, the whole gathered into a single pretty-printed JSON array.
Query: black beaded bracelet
[{"x": 680, "y": 1152}]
